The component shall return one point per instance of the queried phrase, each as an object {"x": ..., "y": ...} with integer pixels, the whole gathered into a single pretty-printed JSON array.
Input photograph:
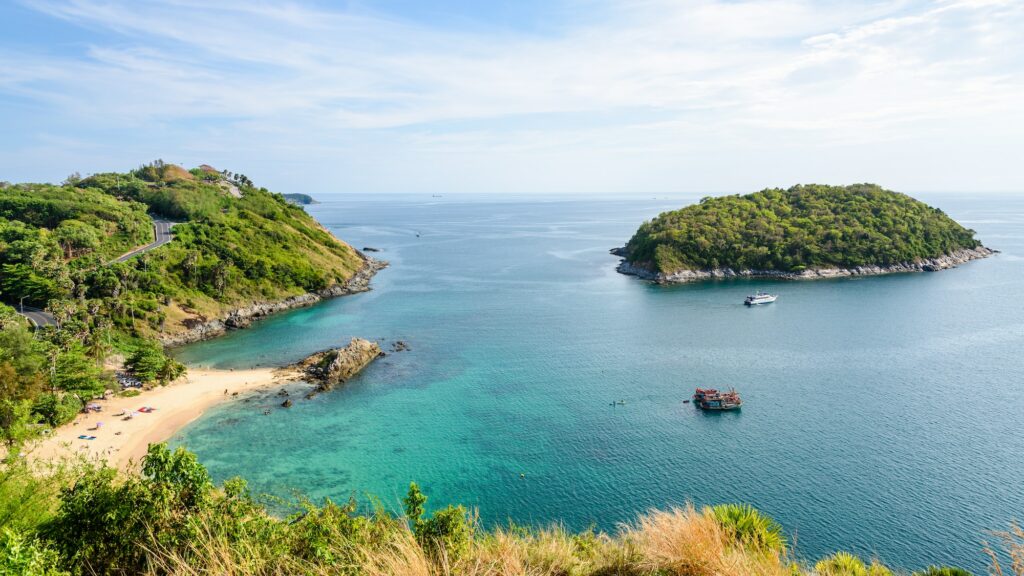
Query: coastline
[
  {"x": 944, "y": 262},
  {"x": 122, "y": 443},
  {"x": 243, "y": 317}
]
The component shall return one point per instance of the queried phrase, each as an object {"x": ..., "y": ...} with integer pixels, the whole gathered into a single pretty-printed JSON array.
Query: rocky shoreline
[
  {"x": 944, "y": 262},
  {"x": 244, "y": 317}
]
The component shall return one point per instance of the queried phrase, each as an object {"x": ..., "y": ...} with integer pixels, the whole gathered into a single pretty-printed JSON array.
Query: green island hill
[
  {"x": 301, "y": 199},
  {"x": 804, "y": 232}
]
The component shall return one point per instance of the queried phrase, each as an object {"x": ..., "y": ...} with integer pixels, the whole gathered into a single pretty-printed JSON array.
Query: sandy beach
[{"x": 122, "y": 442}]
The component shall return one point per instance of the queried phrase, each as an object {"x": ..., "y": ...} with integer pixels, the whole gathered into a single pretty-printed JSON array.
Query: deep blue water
[{"x": 882, "y": 415}]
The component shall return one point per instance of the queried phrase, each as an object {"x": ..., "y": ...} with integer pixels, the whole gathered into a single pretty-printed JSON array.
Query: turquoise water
[{"x": 883, "y": 415}]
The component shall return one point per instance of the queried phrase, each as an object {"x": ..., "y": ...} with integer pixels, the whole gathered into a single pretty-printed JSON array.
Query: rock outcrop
[
  {"x": 951, "y": 260},
  {"x": 336, "y": 366},
  {"x": 243, "y": 317}
]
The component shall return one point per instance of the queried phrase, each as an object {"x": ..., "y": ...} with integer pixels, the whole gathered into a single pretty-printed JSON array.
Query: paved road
[
  {"x": 163, "y": 234},
  {"x": 38, "y": 317}
]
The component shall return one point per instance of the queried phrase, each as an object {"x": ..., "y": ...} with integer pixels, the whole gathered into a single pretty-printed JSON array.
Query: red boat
[{"x": 712, "y": 399}]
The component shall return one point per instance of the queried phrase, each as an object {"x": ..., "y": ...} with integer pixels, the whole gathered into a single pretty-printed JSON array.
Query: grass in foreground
[{"x": 171, "y": 520}]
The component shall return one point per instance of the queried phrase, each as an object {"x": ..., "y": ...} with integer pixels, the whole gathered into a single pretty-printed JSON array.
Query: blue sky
[{"x": 557, "y": 96}]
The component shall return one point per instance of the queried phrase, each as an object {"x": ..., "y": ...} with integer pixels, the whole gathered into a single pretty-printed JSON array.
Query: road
[
  {"x": 162, "y": 233},
  {"x": 37, "y": 317}
]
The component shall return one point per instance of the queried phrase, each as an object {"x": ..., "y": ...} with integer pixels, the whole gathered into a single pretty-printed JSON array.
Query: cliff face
[
  {"x": 951, "y": 260},
  {"x": 336, "y": 366},
  {"x": 244, "y": 317}
]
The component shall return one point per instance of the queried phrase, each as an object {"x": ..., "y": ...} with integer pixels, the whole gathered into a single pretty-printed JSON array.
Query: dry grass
[
  {"x": 688, "y": 542},
  {"x": 678, "y": 542},
  {"x": 1012, "y": 548}
]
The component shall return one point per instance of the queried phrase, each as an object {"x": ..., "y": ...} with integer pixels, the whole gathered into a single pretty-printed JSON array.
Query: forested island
[
  {"x": 301, "y": 199},
  {"x": 807, "y": 231}
]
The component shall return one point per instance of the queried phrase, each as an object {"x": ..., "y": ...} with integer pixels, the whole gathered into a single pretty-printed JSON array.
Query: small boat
[
  {"x": 760, "y": 298},
  {"x": 712, "y": 399}
]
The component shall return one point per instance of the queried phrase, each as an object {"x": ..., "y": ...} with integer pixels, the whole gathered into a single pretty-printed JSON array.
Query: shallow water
[{"x": 882, "y": 415}]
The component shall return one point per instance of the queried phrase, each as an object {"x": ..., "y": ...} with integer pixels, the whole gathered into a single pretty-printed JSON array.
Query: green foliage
[
  {"x": 22, "y": 283},
  {"x": 21, "y": 555},
  {"x": 846, "y": 564},
  {"x": 803, "y": 227},
  {"x": 149, "y": 364},
  {"x": 170, "y": 519},
  {"x": 104, "y": 521},
  {"x": 56, "y": 408},
  {"x": 78, "y": 374},
  {"x": 57, "y": 244},
  {"x": 413, "y": 502},
  {"x": 447, "y": 532},
  {"x": 176, "y": 479},
  {"x": 750, "y": 527}
]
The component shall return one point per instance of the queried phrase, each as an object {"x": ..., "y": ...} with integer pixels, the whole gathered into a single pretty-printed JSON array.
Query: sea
[{"x": 882, "y": 415}]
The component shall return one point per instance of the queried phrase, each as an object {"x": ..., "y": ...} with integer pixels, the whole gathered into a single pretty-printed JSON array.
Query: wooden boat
[{"x": 712, "y": 399}]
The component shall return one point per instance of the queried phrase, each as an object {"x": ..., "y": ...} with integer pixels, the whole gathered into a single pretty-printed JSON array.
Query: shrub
[
  {"x": 750, "y": 527},
  {"x": 446, "y": 534},
  {"x": 846, "y": 564},
  {"x": 56, "y": 408},
  {"x": 21, "y": 555}
]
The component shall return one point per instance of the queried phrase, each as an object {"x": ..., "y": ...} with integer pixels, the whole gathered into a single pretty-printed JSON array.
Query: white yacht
[{"x": 760, "y": 298}]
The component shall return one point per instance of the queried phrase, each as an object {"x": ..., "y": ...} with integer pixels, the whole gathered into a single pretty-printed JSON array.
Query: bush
[
  {"x": 149, "y": 364},
  {"x": 57, "y": 408},
  {"x": 846, "y": 564},
  {"x": 750, "y": 527},
  {"x": 447, "y": 534},
  {"x": 106, "y": 523},
  {"x": 24, "y": 556}
]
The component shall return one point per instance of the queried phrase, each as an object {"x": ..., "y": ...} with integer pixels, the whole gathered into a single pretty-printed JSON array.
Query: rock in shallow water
[{"x": 336, "y": 366}]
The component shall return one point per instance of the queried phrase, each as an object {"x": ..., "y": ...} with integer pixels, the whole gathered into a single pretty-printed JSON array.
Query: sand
[{"x": 122, "y": 443}]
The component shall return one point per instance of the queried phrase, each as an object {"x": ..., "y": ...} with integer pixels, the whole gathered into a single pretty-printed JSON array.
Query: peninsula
[
  {"x": 804, "y": 232},
  {"x": 99, "y": 274}
]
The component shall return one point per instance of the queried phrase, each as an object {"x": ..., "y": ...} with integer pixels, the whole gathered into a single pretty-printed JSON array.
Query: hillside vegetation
[
  {"x": 235, "y": 244},
  {"x": 800, "y": 228},
  {"x": 169, "y": 519}
]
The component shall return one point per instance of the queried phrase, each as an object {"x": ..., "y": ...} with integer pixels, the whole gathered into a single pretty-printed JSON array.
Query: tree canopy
[
  {"x": 234, "y": 244},
  {"x": 806, "y": 226}
]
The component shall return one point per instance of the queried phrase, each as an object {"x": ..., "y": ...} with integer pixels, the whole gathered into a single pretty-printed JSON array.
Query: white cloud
[{"x": 649, "y": 90}]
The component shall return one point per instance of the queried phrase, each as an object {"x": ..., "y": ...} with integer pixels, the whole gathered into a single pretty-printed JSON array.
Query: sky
[{"x": 531, "y": 96}]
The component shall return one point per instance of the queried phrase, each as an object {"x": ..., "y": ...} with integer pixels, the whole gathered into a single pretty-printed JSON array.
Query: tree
[
  {"x": 77, "y": 373},
  {"x": 146, "y": 362},
  {"x": 76, "y": 237},
  {"x": 413, "y": 502},
  {"x": 15, "y": 422},
  {"x": 56, "y": 408},
  {"x": 170, "y": 371}
]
